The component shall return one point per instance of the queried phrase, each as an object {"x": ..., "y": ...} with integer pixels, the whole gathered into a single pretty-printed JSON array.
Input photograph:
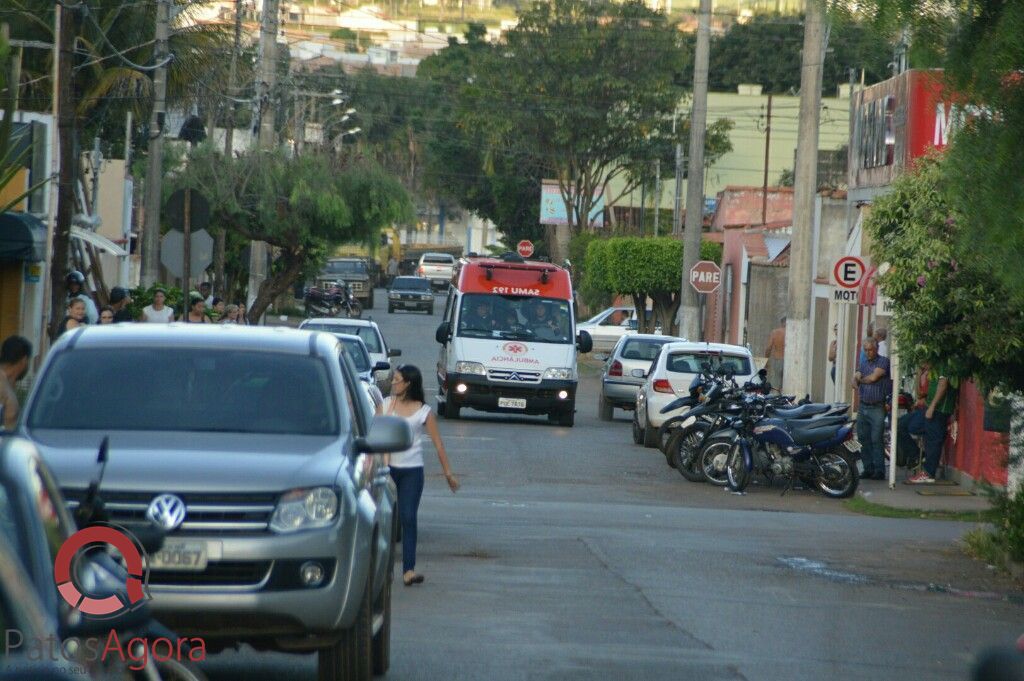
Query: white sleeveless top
[
  {"x": 157, "y": 316},
  {"x": 412, "y": 457}
]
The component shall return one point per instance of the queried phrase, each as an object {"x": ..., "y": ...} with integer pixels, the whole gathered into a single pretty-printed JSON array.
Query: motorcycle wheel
[
  {"x": 736, "y": 471},
  {"x": 839, "y": 477},
  {"x": 713, "y": 458},
  {"x": 355, "y": 311},
  {"x": 683, "y": 448}
]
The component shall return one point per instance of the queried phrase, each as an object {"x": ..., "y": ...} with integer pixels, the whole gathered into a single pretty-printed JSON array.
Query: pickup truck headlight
[
  {"x": 561, "y": 374},
  {"x": 394, "y": 295},
  {"x": 426, "y": 296},
  {"x": 470, "y": 368},
  {"x": 304, "y": 509}
]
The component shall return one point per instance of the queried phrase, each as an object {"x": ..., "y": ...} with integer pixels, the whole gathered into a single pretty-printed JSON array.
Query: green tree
[
  {"x": 302, "y": 206},
  {"x": 644, "y": 268},
  {"x": 582, "y": 86}
]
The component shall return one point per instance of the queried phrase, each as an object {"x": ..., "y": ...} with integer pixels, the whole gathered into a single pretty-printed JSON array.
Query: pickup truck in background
[{"x": 439, "y": 268}]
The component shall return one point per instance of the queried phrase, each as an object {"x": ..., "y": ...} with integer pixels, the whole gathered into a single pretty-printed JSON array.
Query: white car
[
  {"x": 370, "y": 333},
  {"x": 608, "y": 326},
  {"x": 671, "y": 374}
]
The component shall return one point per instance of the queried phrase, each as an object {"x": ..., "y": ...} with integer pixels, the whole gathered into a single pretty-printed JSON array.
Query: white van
[{"x": 509, "y": 341}]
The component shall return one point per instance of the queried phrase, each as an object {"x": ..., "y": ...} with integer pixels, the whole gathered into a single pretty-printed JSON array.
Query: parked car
[
  {"x": 670, "y": 376},
  {"x": 608, "y": 326},
  {"x": 438, "y": 268},
  {"x": 355, "y": 350},
  {"x": 369, "y": 332},
  {"x": 354, "y": 272},
  {"x": 411, "y": 293},
  {"x": 618, "y": 384},
  {"x": 249, "y": 448}
]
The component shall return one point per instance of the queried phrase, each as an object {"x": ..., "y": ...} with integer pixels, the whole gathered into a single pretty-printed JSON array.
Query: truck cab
[{"x": 509, "y": 341}]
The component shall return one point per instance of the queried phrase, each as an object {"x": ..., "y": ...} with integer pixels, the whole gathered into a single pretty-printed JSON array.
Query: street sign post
[
  {"x": 172, "y": 251},
  {"x": 847, "y": 274},
  {"x": 525, "y": 248},
  {"x": 705, "y": 276}
]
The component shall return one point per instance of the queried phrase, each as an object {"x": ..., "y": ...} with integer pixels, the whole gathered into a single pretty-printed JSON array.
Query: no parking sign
[{"x": 847, "y": 274}]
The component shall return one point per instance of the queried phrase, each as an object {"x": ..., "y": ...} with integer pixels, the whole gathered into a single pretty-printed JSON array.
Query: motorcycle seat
[
  {"x": 801, "y": 412},
  {"x": 809, "y": 435}
]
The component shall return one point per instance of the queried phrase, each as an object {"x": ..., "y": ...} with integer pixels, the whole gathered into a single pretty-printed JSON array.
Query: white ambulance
[{"x": 509, "y": 341}]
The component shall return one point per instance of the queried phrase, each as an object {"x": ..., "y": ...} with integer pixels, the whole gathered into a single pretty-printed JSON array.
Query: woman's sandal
[{"x": 416, "y": 578}]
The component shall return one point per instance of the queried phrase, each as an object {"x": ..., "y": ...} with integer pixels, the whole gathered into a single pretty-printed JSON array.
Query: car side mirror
[
  {"x": 382, "y": 366},
  {"x": 443, "y": 333},
  {"x": 393, "y": 352},
  {"x": 638, "y": 373},
  {"x": 387, "y": 434},
  {"x": 584, "y": 342}
]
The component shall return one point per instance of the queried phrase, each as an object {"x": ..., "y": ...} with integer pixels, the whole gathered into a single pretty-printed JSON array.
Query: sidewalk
[{"x": 943, "y": 497}]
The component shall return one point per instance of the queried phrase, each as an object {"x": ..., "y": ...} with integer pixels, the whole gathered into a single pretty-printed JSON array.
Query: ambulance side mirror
[
  {"x": 443, "y": 333},
  {"x": 584, "y": 342}
]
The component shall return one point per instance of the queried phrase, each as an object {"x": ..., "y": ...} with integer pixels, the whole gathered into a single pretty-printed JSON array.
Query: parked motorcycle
[
  {"x": 817, "y": 451},
  {"x": 332, "y": 301}
]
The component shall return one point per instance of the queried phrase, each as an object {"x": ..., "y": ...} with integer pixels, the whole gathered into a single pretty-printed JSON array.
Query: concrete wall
[{"x": 767, "y": 300}]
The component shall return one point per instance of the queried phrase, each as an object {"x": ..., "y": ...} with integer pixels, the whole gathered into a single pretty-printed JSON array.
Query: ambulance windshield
[{"x": 526, "y": 318}]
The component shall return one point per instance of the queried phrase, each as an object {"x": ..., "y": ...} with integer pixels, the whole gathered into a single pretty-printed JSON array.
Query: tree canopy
[{"x": 303, "y": 206}]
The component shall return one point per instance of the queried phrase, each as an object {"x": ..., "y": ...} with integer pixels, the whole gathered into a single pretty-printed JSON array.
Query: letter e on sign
[{"x": 848, "y": 272}]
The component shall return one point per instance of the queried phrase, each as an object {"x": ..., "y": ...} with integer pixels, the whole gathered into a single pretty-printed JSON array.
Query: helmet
[{"x": 74, "y": 277}]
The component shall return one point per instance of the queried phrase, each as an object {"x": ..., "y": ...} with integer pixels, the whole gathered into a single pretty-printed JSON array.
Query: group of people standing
[
  {"x": 202, "y": 308},
  {"x": 935, "y": 393}
]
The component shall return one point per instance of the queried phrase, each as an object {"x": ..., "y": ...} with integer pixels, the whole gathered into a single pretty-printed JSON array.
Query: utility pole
[
  {"x": 677, "y": 203},
  {"x": 657, "y": 193},
  {"x": 689, "y": 310},
  {"x": 67, "y": 21},
  {"x": 265, "y": 91},
  {"x": 767, "y": 150},
  {"x": 797, "y": 368},
  {"x": 124, "y": 268},
  {"x": 155, "y": 171},
  {"x": 229, "y": 145}
]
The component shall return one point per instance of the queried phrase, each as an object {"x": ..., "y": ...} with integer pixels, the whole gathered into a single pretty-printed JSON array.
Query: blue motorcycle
[{"x": 814, "y": 451}]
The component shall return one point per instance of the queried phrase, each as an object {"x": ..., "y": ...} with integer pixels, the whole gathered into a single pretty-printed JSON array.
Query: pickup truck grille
[
  {"x": 205, "y": 513},
  {"x": 224, "y": 573},
  {"x": 513, "y": 375},
  {"x": 356, "y": 285}
]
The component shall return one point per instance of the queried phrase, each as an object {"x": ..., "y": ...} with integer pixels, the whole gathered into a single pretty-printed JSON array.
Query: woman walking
[{"x": 408, "y": 401}]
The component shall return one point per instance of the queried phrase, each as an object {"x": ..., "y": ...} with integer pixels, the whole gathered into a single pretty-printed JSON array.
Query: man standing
[
  {"x": 883, "y": 345},
  {"x": 931, "y": 423},
  {"x": 392, "y": 270},
  {"x": 871, "y": 384},
  {"x": 207, "y": 292},
  {"x": 76, "y": 289},
  {"x": 14, "y": 356},
  {"x": 120, "y": 299},
  {"x": 776, "y": 352}
]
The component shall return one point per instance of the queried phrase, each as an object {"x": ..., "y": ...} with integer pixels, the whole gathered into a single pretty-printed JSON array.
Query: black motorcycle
[{"x": 332, "y": 301}]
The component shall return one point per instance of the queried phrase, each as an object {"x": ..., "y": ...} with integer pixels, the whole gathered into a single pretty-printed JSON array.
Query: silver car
[
  {"x": 618, "y": 384},
  {"x": 368, "y": 330},
  {"x": 251, "y": 448}
]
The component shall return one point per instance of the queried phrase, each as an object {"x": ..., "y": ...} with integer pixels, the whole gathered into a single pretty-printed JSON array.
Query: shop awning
[
  {"x": 22, "y": 237},
  {"x": 98, "y": 240}
]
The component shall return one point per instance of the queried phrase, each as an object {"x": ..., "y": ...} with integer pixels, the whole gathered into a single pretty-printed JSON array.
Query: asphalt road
[{"x": 571, "y": 553}]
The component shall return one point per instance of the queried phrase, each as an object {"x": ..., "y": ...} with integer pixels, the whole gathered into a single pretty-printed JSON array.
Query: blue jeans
[
  {"x": 409, "y": 482},
  {"x": 934, "y": 432},
  {"x": 870, "y": 433}
]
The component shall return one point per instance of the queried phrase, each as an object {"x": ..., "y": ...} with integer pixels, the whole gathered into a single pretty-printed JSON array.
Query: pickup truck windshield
[
  {"x": 540, "y": 320},
  {"x": 411, "y": 284},
  {"x": 187, "y": 389},
  {"x": 345, "y": 267}
]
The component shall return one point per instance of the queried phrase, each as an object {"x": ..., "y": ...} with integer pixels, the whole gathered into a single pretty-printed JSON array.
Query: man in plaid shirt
[{"x": 871, "y": 382}]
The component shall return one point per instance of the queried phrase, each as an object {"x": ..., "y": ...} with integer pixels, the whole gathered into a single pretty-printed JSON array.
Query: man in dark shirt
[
  {"x": 930, "y": 422},
  {"x": 871, "y": 382},
  {"x": 119, "y": 300}
]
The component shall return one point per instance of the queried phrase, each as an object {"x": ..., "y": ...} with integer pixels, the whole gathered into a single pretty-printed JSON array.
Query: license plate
[
  {"x": 180, "y": 556},
  {"x": 511, "y": 403},
  {"x": 852, "y": 445}
]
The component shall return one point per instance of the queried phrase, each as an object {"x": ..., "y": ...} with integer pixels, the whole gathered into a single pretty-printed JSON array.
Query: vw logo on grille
[{"x": 166, "y": 512}]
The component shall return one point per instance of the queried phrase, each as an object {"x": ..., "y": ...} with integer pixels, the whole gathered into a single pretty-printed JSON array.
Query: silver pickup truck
[
  {"x": 251, "y": 450},
  {"x": 439, "y": 268}
]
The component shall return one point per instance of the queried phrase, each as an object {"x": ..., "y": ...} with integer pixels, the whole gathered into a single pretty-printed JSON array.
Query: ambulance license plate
[{"x": 512, "y": 403}]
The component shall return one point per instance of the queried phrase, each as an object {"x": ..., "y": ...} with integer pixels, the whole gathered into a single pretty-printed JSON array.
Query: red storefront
[{"x": 893, "y": 123}]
